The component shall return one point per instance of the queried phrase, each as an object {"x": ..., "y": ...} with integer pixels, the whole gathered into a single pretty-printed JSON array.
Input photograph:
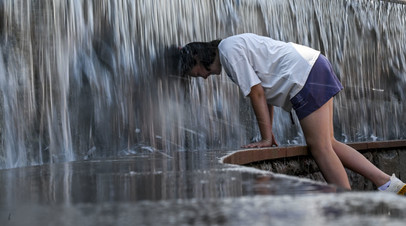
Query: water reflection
[{"x": 184, "y": 176}]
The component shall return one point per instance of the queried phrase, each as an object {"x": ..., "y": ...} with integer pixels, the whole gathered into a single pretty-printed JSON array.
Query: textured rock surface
[{"x": 390, "y": 161}]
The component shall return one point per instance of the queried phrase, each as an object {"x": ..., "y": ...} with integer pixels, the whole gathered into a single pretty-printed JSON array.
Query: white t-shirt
[{"x": 281, "y": 68}]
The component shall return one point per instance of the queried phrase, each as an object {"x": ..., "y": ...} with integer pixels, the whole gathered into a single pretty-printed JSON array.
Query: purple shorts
[{"x": 321, "y": 85}]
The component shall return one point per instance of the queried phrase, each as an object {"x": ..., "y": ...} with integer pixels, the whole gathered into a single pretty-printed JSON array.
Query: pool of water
[{"x": 187, "y": 188}]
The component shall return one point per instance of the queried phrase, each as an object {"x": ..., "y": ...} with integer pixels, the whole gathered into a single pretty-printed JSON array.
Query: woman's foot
[{"x": 394, "y": 185}]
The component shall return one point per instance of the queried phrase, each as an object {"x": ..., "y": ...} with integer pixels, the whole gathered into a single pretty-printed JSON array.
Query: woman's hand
[
  {"x": 264, "y": 115},
  {"x": 262, "y": 143}
]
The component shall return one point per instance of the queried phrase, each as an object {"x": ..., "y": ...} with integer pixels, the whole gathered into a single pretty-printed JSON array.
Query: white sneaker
[{"x": 396, "y": 186}]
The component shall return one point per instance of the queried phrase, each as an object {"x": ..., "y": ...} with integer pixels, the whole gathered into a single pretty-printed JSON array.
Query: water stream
[{"x": 87, "y": 79}]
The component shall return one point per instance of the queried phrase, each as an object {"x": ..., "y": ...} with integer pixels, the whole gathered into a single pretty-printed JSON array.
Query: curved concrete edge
[{"x": 246, "y": 156}]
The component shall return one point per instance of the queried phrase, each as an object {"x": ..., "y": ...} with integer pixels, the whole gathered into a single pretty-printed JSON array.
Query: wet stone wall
[{"x": 388, "y": 160}]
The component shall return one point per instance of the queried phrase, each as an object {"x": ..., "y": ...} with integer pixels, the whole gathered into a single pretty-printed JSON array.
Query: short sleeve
[{"x": 242, "y": 73}]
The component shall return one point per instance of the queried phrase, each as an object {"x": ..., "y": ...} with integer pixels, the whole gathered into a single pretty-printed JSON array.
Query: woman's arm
[{"x": 264, "y": 116}]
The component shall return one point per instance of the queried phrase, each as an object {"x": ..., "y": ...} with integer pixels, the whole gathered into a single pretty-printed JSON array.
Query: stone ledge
[
  {"x": 246, "y": 156},
  {"x": 389, "y": 156}
]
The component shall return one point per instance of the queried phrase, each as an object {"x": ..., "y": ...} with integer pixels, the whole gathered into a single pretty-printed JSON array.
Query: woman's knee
[
  {"x": 319, "y": 146},
  {"x": 335, "y": 143}
]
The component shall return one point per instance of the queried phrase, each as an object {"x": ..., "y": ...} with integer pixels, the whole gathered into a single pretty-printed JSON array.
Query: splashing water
[{"x": 86, "y": 79}]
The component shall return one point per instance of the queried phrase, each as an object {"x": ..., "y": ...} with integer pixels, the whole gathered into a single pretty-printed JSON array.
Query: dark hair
[{"x": 197, "y": 52}]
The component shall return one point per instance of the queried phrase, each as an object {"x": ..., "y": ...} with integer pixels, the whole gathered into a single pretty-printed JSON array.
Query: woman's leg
[
  {"x": 355, "y": 161},
  {"x": 349, "y": 157},
  {"x": 317, "y": 131}
]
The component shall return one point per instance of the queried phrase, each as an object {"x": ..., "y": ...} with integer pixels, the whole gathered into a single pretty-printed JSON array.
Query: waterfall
[{"x": 88, "y": 79}]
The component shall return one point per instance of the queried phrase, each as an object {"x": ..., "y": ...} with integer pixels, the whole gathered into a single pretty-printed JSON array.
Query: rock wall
[{"x": 388, "y": 160}]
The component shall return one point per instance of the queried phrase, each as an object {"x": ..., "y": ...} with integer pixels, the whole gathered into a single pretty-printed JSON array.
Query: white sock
[{"x": 385, "y": 186}]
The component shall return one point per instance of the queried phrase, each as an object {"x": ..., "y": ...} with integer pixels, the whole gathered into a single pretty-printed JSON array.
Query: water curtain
[{"x": 88, "y": 79}]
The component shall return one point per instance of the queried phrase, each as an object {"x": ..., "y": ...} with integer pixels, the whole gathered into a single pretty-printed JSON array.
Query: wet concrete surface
[{"x": 185, "y": 188}]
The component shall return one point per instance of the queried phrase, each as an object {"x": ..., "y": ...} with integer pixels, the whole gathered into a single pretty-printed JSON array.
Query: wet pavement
[{"x": 185, "y": 188}]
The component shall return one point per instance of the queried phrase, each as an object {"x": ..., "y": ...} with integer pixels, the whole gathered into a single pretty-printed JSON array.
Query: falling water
[{"x": 87, "y": 79}]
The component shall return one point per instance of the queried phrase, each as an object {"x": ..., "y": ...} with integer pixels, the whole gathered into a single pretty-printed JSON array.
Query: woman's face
[{"x": 200, "y": 71}]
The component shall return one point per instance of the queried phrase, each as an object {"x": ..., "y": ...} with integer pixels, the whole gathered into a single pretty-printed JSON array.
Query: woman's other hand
[{"x": 262, "y": 143}]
